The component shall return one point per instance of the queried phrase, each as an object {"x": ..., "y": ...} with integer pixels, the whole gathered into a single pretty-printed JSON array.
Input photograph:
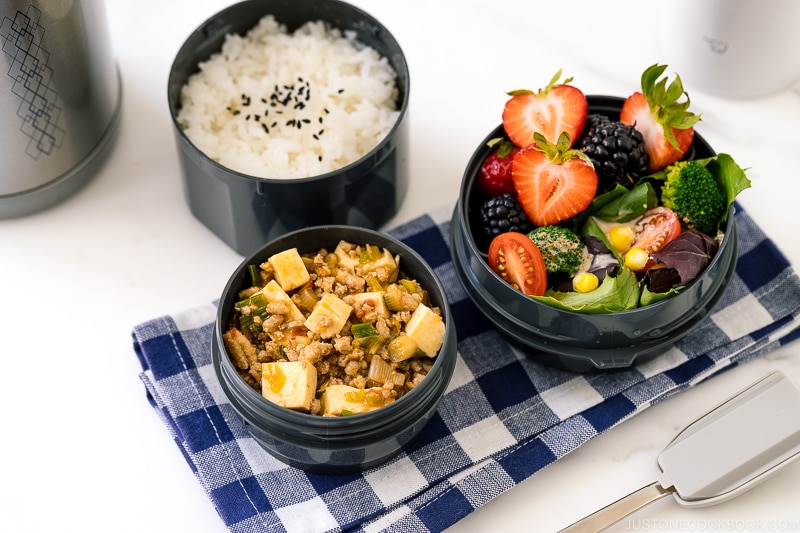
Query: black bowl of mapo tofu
[{"x": 334, "y": 345}]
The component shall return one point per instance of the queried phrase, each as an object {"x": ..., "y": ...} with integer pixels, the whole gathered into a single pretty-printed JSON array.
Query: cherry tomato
[
  {"x": 655, "y": 228},
  {"x": 516, "y": 259}
]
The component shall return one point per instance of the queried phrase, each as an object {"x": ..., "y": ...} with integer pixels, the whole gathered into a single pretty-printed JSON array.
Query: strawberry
[
  {"x": 553, "y": 182},
  {"x": 666, "y": 124},
  {"x": 549, "y": 111},
  {"x": 494, "y": 176}
]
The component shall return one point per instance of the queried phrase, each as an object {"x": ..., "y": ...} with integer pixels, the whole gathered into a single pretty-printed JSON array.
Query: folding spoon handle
[{"x": 613, "y": 513}]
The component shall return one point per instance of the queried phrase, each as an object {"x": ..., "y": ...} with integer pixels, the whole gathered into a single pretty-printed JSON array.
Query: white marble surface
[{"x": 82, "y": 449}]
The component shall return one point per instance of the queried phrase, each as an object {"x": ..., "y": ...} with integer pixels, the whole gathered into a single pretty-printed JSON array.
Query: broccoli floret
[
  {"x": 561, "y": 249},
  {"x": 692, "y": 192}
]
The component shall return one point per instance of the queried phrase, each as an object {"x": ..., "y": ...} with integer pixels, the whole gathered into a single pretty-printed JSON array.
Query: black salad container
[
  {"x": 247, "y": 211},
  {"x": 578, "y": 341},
  {"x": 335, "y": 445}
]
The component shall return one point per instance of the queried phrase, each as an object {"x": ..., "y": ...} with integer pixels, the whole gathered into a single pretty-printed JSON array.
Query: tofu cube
[
  {"x": 386, "y": 261},
  {"x": 290, "y": 271},
  {"x": 345, "y": 259},
  {"x": 291, "y": 384},
  {"x": 274, "y": 293},
  {"x": 350, "y": 400},
  {"x": 427, "y": 329},
  {"x": 329, "y": 316},
  {"x": 375, "y": 299}
]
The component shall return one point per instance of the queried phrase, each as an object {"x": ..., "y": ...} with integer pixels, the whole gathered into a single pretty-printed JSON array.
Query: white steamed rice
[{"x": 289, "y": 105}]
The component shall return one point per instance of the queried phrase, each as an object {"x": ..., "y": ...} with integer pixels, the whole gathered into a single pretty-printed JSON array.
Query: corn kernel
[
  {"x": 636, "y": 259},
  {"x": 621, "y": 237},
  {"x": 585, "y": 282}
]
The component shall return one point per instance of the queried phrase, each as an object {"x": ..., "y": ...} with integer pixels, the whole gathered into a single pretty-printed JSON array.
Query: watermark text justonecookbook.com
[{"x": 711, "y": 525}]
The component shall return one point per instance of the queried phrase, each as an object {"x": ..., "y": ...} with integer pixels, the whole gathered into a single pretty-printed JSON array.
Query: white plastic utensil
[{"x": 722, "y": 454}]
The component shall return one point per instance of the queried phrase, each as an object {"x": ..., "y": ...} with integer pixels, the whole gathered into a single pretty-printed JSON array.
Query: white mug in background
[{"x": 732, "y": 48}]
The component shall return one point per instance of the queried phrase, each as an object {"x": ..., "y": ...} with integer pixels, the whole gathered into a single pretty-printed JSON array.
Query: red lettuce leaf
[{"x": 681, "y": 260}]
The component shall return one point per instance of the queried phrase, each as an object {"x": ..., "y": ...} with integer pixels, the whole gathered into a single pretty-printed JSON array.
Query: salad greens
[{"x": 681, "y": 260}]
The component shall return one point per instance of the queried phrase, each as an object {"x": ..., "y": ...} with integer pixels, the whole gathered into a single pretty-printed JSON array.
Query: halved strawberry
[
  {"x": 666, "y": 124},
  {"x": 549, "y": 111},
  {"x": 494, "y": 177},
  {"x": 553, "y": 182}
]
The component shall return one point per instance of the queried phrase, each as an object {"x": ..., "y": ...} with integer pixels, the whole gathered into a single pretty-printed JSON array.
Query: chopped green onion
[
  {"x": 364, "y": 329},
  {"x": 248, "y": 321},
  {"x": 370, "y": 253},
  {"x": 409, "y": 285},
  {"x": 255, "y": 275},
  {"x": 379, "y": 370},
  {"x": 374, "y": 284},
  {"x": 369, "y": 344},
  {"x": 258, "y": 299}
]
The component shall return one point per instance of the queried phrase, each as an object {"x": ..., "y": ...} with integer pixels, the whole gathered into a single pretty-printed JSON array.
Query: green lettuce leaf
[
  {"x": 620, "y": 204},
  {"x": 648, "y": 297},
  {"x": 730, "y": 177},
  {"x": 618, "y": 293}
]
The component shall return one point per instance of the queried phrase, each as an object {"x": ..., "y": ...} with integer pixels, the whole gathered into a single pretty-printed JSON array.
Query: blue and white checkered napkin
[{"x": 503, "y": 418}]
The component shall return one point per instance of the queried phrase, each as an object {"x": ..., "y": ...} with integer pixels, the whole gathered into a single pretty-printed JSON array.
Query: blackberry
[
  {"x": 616, "y": 150},
  {"x": 502, "y": 214}
]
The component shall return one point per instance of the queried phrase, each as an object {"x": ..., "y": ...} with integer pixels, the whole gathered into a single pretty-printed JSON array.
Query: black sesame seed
[
  {"x": 320, "y": 120},
  {"x": 306, "y": 121},
  {"x": 236, "y": 112},
  {"x": 340, "y": 91},
  {"x": 273, "y": 124},
  {"x": 319, "y": 157},
  {"x": 320, "y": 132},
  {"x": 326, "y": 111}
]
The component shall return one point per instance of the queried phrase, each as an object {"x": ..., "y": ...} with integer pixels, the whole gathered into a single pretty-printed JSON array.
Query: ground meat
[
  {"x": 352, "y": 283},
  {"x": 343, "y": 344},
  {"x": 241, "y": 350},
  {"x": 314, "y": 352}
]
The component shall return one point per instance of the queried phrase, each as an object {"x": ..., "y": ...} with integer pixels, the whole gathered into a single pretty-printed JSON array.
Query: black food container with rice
[{"x": 246, "y": 211}]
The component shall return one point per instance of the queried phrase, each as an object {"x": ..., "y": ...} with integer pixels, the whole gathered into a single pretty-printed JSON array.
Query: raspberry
[{"x": 494, "y": 178}]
